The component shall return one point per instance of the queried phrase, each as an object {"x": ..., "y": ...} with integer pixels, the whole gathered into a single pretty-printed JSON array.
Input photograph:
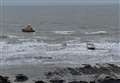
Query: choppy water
[
  {"x": 33, "y": 51},
  {"x": 56, "y": 26}
]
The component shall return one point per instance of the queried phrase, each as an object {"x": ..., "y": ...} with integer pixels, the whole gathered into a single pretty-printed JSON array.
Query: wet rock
[
  {"x": 58, "y": 72},
  {"x": 85, "y": 70},
  {"x": 74, "y": 82},
  {"x": 56, "y": 81},
  {"x": 49, "y": 74},
  {"x": 88, "y": 69},
  {"x": 83, "y": 82},
  {"x": 104, "y": 70},
  {"x": 92, "y": 81},
  {"x": 111, "y": 81},
  {"x": 74, "y": 71},
  {"x": 4, "y": 80},
  {"x": 28, "y": 28},
  {"x": 114, "y": 68},
  {"x": 78, "y": 82},
  {"x": 99, "y": 73},
  {"x": 21, "y": 78},
  {"x": 39, "y": 82},
  {"x": 107, "y": 79}
]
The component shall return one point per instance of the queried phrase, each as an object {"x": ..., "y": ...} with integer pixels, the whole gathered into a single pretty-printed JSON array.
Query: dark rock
[
  {"x": 56, "y": 81},
  {"x": 83, "y": 82},
  {"x": 4, "y": 79},
  {"x": 78, "y": 82},
  {"x": 28, "y": 28},
  {"x": 86, "y": 70},
  {"x": 39, "y": 82},
  {"x": 74, "y": 71},
  {"x": 111, "y": 81},
  {"x": 57, "y": 72},
  {"x": 74, "y": 82},
  {"x": 92, "y": 81},
  {"x": 49, "y": 74},
  {"x": 114, "y": 68},
  {"x": 21, "y": 78},
  {"x": 104, "y": 70},
  {"x": 107, "y": 79}
]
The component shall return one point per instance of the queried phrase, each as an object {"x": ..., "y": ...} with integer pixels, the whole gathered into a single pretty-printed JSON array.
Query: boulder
[
  {"x": 103, "y": 78},
  {"x": 4, "y": 80},
  {"x": 78, "y": 82},
  {"x": 111, "y": 81},
  {"x": 57, "y": 81},
  {"x": 39, "y": 82},
  {"x": 83, "y": 82},
  {"x": 21, "y": 78},
  {"x": 92, "y": 81},
  {"x": 74, "y": 82},
  {"x": 28, "y": 28}
]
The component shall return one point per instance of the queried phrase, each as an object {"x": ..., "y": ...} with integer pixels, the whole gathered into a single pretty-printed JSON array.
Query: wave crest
[{"x": 97, "y": 33}]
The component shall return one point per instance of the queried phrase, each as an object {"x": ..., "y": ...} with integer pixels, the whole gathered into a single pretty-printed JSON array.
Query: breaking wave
[
  {"x": 31, "y": 51},
  {"x": 63, "y": 32},
  {"x": 97, "y": 33}
]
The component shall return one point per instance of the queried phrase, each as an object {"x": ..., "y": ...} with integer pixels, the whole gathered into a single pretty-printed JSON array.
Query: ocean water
[{"x": 61, "y": 34}]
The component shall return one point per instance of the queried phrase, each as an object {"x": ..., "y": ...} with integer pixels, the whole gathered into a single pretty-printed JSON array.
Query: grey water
[
  {"x": 73, "y": 25},
  {"x": 87, "y": 21}
]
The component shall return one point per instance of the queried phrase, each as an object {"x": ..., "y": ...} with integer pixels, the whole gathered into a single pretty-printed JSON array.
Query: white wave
[
  {"x": 25, "y": 53},
  {"x": 97, "y": 32},
  {"x": 63, "y": 32},
  {"x": 8, "y": 36}
]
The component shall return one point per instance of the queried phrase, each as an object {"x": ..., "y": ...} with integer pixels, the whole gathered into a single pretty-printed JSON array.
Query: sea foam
[{"x": 33, "y": 52}]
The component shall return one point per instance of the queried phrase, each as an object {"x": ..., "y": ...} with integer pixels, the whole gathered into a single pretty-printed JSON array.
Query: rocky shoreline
[{"x": 86, "y": 73}]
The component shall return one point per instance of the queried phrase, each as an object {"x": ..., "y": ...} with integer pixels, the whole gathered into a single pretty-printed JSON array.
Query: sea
[{"x": 61, "y": 34}]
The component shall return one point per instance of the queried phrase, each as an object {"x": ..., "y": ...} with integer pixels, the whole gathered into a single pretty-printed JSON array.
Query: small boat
[
  {"x": 90, "y": 46},
  {"x": 28, "y": 28}
]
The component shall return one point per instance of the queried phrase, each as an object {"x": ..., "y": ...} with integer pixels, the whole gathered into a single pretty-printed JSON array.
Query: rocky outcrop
[
  {"x": 111, "y": 81},
  {"x": 21, "y": 78},
  {"x": 39, "y": 82},
  {"x": 56, "y": 81},
  {"x": 99, "y": 73},
  {"x": 4, "y": 79},
  {"x": 85, "y": 73},
  {"x": 78, "y": 82},
  {"x": 103, "y": 78},
  {"x": 28, "y": 28}
]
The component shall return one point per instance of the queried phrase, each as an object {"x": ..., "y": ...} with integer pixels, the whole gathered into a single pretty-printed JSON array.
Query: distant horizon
[{"x": 56, "y": 2}]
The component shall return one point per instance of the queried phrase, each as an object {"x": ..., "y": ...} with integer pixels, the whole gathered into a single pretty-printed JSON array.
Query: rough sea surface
[{"x": 61, "y": 34}]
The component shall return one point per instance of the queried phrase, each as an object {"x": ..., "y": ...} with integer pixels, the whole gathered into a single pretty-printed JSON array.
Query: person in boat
[
  {"x": 90, "y": 46},
  {"x": 28, "y": 28}
]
